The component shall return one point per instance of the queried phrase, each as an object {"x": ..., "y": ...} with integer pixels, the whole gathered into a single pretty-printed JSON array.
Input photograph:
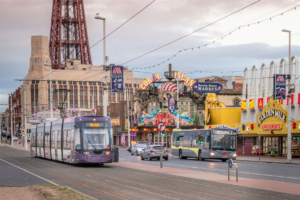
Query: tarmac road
[{"x": 112, "y": 181}]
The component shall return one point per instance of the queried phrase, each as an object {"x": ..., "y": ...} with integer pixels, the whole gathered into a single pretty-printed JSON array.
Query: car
[
  {"x": 144, "y": 142},
  {"x": 137, "y": 149},
  {"x": 154, "y": 151},
  {"x": 129, "y": 148},
  {"x": 15, "y": 138}
]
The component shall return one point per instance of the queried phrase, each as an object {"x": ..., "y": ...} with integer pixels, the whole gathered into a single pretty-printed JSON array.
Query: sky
[{"x": 162, "y": 22}]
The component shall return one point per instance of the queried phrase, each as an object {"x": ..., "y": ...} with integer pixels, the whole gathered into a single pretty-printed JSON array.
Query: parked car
[
  {"x": 137, "y": 149},
  {"x": 15, "y": 138},
  {"x": 144, "y": 142},
  {"x": 154, "y": 151},
  {"x": 129, "y": 148}
]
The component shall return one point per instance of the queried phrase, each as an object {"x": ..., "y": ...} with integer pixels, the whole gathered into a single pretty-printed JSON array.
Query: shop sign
[
  {"x": 270, "y": 113},
  {"x": 226, "y": 127},
  {"x": 150, "y": 80},
  {"x": 292, "y": 100},
  {"x": 187, "y": 80},
  {"x": 251, "y": 104},
  {"x": 260, "y": 103},
  {"x": 167, "y": 118},
  {"x": 115, "y": 121},
  {"x": 207, "y": 87},
  {"x": 243, "y": 105},
  {"x": 279, "y": 91},
  {"x": 117, "y": 79},
  {"x": 271, "y": 126}
]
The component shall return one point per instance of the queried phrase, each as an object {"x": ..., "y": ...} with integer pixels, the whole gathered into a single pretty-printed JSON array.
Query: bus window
[{"x": 200, "y": 139}]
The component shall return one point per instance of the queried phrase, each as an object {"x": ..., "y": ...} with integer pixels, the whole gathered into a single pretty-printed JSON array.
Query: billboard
[
  {"x": 279, "y": 86},
  {"x": 117, "y": 79},
  {"x": 207, "y": 87},
  {"x": 171, "y": 103}
]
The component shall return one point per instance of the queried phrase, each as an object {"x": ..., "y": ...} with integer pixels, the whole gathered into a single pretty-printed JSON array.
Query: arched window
[
  {"x": 236, "y": 102},
  {"x": 181, "y": 109}
]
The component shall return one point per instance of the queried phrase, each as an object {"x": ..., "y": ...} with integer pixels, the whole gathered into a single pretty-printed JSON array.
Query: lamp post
[
  {"x": 25, "y": 119},
  {"x": 177, "y": 118},
  {"x": 104, "y": 67},
  {"x": 128, "y": 122},
  {"x": 289, "y": 136},
  {"x": 51, "y": 109},
  {"x": 11, "y": 121}
]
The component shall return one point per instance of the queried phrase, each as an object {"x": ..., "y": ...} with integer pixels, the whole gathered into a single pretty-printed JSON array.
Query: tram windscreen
[
  {"x": 95, "y": 138},
  {"x": 223, "y": 140}
]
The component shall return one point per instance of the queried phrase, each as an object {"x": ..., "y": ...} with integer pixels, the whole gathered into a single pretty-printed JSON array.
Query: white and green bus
[{"x": 205, "y": 144}]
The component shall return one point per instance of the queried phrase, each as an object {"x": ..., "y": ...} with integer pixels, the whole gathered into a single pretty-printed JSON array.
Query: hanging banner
[
  {"x": 260, "y": 103},
  {"x": 292, "y": 100},
  {"x": 251, "y": 104},
  {"x": 171, "y": 103},
  {"x": 117, "y": 79},
  {"x": 243, "y": 105},
  {"x": 279, "y": 86},
  {"x": 207, "y": 87}
]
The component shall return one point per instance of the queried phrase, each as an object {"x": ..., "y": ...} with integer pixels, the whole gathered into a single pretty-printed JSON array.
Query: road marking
[{"x": 29, "y": 172}]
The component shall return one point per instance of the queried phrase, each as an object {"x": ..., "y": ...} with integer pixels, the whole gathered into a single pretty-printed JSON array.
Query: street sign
[
  {"x": 23, "y": 131},
  {"x": 230, "y": 163},
  {"x": 161, "y": 126},
  {"x": 207, "y": 87}
]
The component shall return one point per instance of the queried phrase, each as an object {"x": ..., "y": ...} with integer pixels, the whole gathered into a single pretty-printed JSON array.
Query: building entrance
[{"x": 270, "y": 143}]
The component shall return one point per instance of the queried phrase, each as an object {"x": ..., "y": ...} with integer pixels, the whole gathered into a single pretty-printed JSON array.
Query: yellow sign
[
  {"x": 126, "y": 124},
  {"x": 148, "y": 80},
  {"x": 251, "y": 103},
  {"x": 133, "y": 143},
  {"x": 94, "y": 125},
  {"x": 115, "y": 121},
  {"x": 187, "y": 80},
  {"x": 243, "y": 105}
]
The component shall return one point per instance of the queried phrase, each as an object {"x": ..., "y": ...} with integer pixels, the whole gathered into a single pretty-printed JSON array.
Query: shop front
[{"x": 270, "y": 132}]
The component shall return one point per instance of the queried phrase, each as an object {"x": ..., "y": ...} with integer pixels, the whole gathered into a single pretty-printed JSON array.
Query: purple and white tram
[{"x": 86, "y": 139}]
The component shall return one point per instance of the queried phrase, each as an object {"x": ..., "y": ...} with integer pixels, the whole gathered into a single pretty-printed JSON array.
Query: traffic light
[
  {"x": 163, "y": 134},
  {"x": 200, "y": 142}
]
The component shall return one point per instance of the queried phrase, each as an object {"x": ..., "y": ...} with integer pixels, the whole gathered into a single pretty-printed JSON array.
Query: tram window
[
  {"x": 71, "y": 139},
  {"x": 77, "y": 139},
  {"x": 58, "y": 140},
  {"x": 53, "y": 139},
  {"x": 42, "y": 140}
]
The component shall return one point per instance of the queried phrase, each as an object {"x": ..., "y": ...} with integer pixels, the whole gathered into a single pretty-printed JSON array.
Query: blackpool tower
[{"x": 68, "y": 33}]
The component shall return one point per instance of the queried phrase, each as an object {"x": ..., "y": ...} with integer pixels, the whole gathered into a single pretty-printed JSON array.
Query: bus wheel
[{"x": 200, "y": 156}]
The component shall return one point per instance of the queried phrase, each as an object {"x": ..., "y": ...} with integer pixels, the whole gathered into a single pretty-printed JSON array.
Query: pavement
[{"x": 132, "y": 178}]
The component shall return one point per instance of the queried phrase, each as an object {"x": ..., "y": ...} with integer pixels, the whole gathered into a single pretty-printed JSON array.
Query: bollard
[{"x": 237, "y": 173}]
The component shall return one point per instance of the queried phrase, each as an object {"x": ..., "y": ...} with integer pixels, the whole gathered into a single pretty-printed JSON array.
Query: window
[
  {"x": 95, "y": 92},
  {"x": 84, "y": 83},
  {"x": 33, "y": 82},
  {"x": 91, "y": 92},
  {"x": 64, "y": 82},
  {"x": 81, "y": 103},
  {"x": 91, "y": 103},
  {"x": 36, "y": 91},
  {"x": 75, "y": 103},
  {"x": 32, "y": 91},
  {"x": 74, "y": 83},
  {"x": 100, "y": 93},
  {"x": 53, "y": 82},
  {"x": 35, "y": 61},
  {"x": 37, "y": 82},
  {"x": 236, "y": 102},
  {"x": 86, "y": 104},
  {"x": 80, "y": 83},
  {"x": 75, "y": 92},
  {"x": 71, "y": 92},
  {"x": 94, "y": 83},
  {"x": 126, "y": 85},
  {"x": 59, "y": 82},
  {"x": 48, "y": 82},
  {"x": 99, "y": 83},
  {"x": 60, "y": 92},
  {"x": 181, "y": 109},
  {"x": 85, "y": 92},
  {"x": 70, "y": 82},
  {"x": 71, "y": 103},
  {"x": 130, "y": 85},
  {"x": 90, "y": 83},
  {"x": 81, "y": 92}
]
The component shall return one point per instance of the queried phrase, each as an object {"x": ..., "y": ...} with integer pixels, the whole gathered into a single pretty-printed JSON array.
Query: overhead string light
[{"x": 222, "y": 37}]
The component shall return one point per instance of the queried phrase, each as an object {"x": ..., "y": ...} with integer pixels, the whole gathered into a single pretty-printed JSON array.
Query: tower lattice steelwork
[{"x": 68, "y": 34}]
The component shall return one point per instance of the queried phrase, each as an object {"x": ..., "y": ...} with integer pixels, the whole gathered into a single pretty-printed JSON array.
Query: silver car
[
  {"x": 153, "y": 151},
  {"x": 137, "y": 149}
]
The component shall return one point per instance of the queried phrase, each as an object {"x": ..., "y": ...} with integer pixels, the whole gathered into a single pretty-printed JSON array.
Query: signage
[
  {"x": 148, "y": 80},
  {"x": 171, "y": 103},
  {"x": 207, "y": 87},
  {"x": 271, "y": 126},
  {"x": 117, "y": 79},
  {"x": 164, "y": 117},
  {"x": 270, "y": 113},
  {"x": 299, "y": 99},
  {"x": 260, "y": 103},
  {"x": 251, "y": 104},
  {"x": 243, "y": 105},
  {"x": 188, "y": 80},
  {"x": 126, "y": 124},
  {"x": 93, "y": 124},
  {"x": 23, "y": 132},
  {"x": 115, "y": 121},
  {"x": 226, "y": 127},
  {"x": 292, "y": 100},
  {"x": 161, "y": 126},
  {"x": 230, "y": 163},
  {"x": 279, "y": 91}
]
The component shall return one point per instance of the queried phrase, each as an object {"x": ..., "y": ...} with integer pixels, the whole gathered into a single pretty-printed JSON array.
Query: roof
[{"x": 229, "y": 92}]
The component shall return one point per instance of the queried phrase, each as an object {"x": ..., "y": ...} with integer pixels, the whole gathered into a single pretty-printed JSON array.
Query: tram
[{"x": 82, "y": 139}]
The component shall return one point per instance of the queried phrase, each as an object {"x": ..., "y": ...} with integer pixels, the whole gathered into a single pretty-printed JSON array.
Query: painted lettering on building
[
  {"x": 270, "y": 113},
  {"x": 271, "y": 126},
  {"x": 149, "y": 80}
]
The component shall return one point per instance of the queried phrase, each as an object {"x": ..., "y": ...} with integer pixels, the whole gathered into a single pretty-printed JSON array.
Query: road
[{"x": 120, "y": 181}]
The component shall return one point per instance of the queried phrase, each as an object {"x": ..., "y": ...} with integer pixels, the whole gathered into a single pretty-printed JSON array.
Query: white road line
[{"x": 29, "y": 172}]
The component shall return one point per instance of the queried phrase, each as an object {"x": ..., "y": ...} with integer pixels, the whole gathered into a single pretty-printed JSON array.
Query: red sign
[
  {"x": 288, "y": 100},
  {"x": 298, "y": 98},
  {"x": 164, "y": 117},
  {"x": 260, "y": 103},
  {"x": 271, "y": 126},
  {"x": 161, "y": 126},
  {"x": 280, "y": 101},
  {"x": 224, "y": 153}
]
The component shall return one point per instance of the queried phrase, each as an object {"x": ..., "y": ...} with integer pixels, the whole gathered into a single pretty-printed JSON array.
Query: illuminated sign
[
  {"x": 187, "y": 80},
  {"x": 243, "y": 105},
  {"x": 251, "y": 104},
  {"x": 207, "y": 87},
  {"x": 93, "y": 124},
  {"x": 148, "y": 80},
  {"x": 270, "y": 113},
  {"x": 115, "y": 121},
  {"x": 260, "y": 103},
  {"x": 271, "y": 126}
]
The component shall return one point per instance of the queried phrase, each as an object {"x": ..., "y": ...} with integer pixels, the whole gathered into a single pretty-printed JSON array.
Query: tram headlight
[
  {"x": 234, "y": 155},
  {"x": 87, "y": 153},
  {"x": 107, "y": 153},
  {"x": 212, "y": 154}
]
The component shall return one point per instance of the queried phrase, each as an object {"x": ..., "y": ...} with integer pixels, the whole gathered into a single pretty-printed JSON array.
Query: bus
[
  {"x": 83, "y": 139},
  {"x": 204, "y": 144}
]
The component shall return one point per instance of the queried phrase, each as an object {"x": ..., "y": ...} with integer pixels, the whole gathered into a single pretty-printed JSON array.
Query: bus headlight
[
  {"x": 234, "y": 155},
  {"x": 87, "y": 153},
  {"x": 212, "y": 154}
]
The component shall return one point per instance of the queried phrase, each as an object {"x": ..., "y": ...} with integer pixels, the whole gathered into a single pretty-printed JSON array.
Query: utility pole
[
  {"x": 25, "y": 119},
  {"x": 11, "y": 122},
  {"x": 128, "y": 124},
  {"x": 50, "y": 84},
  {"x": 177, "y": 117}
]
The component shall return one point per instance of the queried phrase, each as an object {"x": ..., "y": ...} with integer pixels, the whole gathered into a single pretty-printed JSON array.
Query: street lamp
[
  {"x": 11, "y": 122},
  {"x": 289, "y": 136},
  {"x": 51, "y": 110},
  {"x": 104, "y": 67}
]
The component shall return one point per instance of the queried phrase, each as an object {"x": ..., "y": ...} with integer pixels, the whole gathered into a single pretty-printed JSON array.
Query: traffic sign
[
  {"x": 23, "y": 132},
  {"x": 230, "y": 163},
  {"x": 161, "y": 126}
]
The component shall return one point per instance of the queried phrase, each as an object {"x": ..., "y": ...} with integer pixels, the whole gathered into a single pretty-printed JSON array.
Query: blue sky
[{"x": 160, "y": 23}]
